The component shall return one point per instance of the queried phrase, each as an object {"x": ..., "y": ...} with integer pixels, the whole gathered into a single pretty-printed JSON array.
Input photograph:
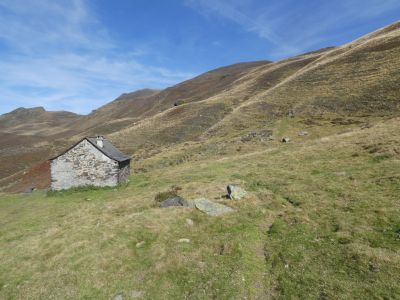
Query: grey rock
[
  {"x": 235, "y": 192},
  {"x": 30, "y": 190},
  {"x": 184, "y": 241},
  {"x": 140, "y": 244},
  {"x": 175, "y": 201},
  {"x": 136, "y": 294},
  {"x": 118, "y": 297},
  {"x": 211, "y": 208},
  {"x": 303, "y": 133},
  {"x": 262, "y": 135},
  {"x": 189, "y": 222},
  {"x": 248, "y": 137},
  {"x": 285, "y": 139}
]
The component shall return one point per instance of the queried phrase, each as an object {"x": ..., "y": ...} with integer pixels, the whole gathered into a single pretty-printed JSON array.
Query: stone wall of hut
[{"x": 84, "y": 165}]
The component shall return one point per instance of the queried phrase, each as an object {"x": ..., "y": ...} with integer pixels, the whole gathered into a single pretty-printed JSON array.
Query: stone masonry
[{"x": 85, "y": 165}]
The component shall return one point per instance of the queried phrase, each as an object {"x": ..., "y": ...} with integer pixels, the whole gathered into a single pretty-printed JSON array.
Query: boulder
[
  {"x": 235, "y": 192},
  {"x": 285, "y": 140},
  {"x": 174, "y": 201},
  {"x": 211, "y": 208}
]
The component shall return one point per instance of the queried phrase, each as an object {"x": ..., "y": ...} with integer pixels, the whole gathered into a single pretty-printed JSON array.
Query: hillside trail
[
  {"x": 301, "y": 145},
  {"x": 326, "y": 58}
]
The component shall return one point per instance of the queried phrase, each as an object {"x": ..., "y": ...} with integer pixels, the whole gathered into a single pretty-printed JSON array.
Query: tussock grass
[{"x": 319, "y": 222}]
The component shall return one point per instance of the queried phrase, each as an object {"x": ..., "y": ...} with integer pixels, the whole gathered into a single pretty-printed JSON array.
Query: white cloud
[
  {"x": 61, "y": 57},
  {"x": 289, "y": 27}
]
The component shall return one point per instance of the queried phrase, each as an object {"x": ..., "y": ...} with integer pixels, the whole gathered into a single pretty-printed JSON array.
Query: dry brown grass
[{"x": 320, "y": 218}]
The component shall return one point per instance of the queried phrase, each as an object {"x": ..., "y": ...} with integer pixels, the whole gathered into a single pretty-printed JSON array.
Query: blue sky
[{"x": 79, "y": 54}]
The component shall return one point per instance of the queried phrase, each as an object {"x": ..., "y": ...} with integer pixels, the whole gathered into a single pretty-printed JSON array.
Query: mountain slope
[
  {"x": 352, "y": 85},
  {"x": 358, "y": 79},
  {"x": 117, "y": 114},
  {"x": 37, "y": 121},
  {"x": 133, "y": 107},
  {"x": 320, "y": 221},
  {"x": 190, "y": 120},
  {"x": 27, "y": 136}
]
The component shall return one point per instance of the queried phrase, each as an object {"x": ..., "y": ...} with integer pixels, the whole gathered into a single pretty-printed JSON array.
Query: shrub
[
  {"x": 161, "y": 196},
  {"x": 179, "y": 102}
]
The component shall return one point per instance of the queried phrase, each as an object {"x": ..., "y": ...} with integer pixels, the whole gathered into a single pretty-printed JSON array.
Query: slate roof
[{"x": 108, "y": 150}]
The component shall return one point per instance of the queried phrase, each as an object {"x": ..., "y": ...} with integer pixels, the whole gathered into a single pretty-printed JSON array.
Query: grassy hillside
[
  {"x": 38, "y": 135},
  {"x": 320, "y": 221},
  {"x": 121, "y": 112},
  {"x": 36, "y": 121},
  {"x": 356, "y": 80}
]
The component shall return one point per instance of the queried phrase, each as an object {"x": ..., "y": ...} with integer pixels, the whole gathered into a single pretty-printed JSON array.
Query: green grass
[{"x": 318, "y": 223}]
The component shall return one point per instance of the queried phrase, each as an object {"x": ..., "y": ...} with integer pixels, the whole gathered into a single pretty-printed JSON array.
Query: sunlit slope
[
  {"x": 358, "y": 79},
  {"x": 361, "y": 78},
  {"x": 190, "y": 120},
  {"x": 320, "y": 221}
]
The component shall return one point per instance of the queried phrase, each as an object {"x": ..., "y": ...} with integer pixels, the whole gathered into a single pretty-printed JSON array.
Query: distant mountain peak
[{"x": 31, "y": 109}]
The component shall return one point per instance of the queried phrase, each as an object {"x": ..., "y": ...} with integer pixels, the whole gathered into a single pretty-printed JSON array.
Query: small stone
[
  {"x": 235, "y": 192},
  {"x": 373, "y": 267},
  {"x": 183, "y": 241},
  {"x": 30, "y": 190},
  {"x": 285, "y": 139},
  {"x": 342, "y": 173},
  {"x": 140, "y": 244},
  {"x": 303, "y": 133},
  {"x": 189, "y": 222},
  {"x": 118, "y": 297},
  {"x": 202, "y": 265},
  {"x": 136, "y": 294}
]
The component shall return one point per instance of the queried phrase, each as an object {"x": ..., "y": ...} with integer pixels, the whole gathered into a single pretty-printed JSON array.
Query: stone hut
[{"x": 93, "y": 161}]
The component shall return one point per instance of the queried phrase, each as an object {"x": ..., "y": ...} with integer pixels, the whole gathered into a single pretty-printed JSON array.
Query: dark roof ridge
[{"x": 108, "y": 149}]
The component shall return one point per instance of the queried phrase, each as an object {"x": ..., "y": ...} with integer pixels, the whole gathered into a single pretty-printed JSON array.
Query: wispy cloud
[
  {"x": 290, "y": 28},
  {"x": 58, "y": 55}
]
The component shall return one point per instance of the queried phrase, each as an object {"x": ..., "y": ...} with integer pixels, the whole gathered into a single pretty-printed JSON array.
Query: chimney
[{"x": 99, "y": 141}]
